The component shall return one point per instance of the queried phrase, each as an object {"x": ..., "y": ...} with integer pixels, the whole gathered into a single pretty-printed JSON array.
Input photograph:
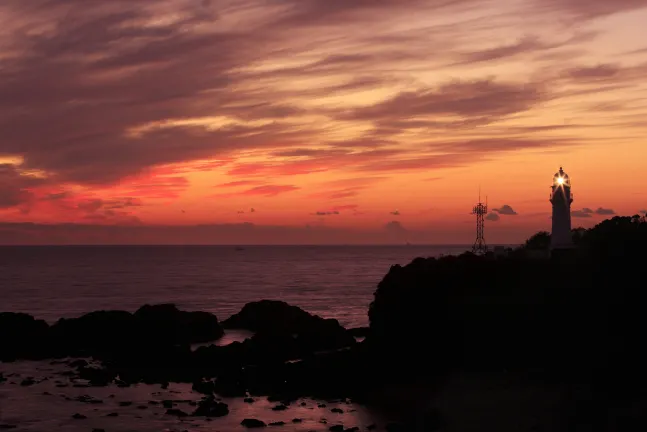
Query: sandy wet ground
[{"x": 52, "y": 402}]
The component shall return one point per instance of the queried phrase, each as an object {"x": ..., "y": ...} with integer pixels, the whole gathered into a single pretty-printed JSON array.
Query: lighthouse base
[{"x": 562, "y": 253}]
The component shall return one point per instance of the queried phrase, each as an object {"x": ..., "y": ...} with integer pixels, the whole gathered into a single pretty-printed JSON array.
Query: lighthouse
[{"x": 561, "y": 199}]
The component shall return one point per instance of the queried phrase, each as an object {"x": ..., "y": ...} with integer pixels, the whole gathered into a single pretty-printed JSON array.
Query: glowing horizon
[{"x": 372, "y": 121}]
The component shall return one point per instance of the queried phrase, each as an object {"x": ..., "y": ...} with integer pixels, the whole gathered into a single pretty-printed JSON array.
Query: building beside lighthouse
[{"x": 561, "y": 198}]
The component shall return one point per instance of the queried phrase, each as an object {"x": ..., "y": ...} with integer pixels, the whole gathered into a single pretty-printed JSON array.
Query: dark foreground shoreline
[{"x": 456, "y": 343}]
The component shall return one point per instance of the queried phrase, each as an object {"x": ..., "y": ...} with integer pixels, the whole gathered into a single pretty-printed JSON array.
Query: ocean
[{"x": 52, "y": 282}]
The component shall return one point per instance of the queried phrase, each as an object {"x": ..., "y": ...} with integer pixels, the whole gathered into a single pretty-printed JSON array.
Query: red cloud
[{"x": 270, "y": 190}]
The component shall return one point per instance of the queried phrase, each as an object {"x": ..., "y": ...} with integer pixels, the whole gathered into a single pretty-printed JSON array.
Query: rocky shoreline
[
  {"x": 154, "y": 346},
  {"x": 561, "y": 327}
]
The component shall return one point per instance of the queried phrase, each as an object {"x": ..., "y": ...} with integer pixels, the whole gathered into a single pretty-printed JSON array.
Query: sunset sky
[{"x": 316, "y": 121}]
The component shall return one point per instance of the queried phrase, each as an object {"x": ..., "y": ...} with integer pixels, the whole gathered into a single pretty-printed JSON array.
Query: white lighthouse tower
[{"x": 561, "y": 198}]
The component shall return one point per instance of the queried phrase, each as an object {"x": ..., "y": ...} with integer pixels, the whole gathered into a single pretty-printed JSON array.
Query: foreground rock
[
  {"x": 105, "y": 333},
  {"x": 21, "y": 336},
  {"x": 277, "y": 322}
]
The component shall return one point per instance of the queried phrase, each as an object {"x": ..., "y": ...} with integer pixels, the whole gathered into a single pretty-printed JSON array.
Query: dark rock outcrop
[
  {"x": 150, "y": 332},
  {"x": 573, "y": 313},
  {"x": 253, "y": 423},
  {"x": 276, "y": 319},
  {"x": 210, "y": 407},
  {"x": 104, "y": 332},
  {"x": 22, "y": 336}
]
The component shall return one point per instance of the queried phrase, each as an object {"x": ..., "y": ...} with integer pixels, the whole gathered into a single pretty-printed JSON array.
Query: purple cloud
[
  {"x": 505, "y": 210},
  {"x": 494, "y": 217},
  {"x": 604, "y": 212},
  {"x": 583, "y": 213}
]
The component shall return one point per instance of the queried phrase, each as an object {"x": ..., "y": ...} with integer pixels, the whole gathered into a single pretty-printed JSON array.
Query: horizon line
[{"x": 252, "y": 245}]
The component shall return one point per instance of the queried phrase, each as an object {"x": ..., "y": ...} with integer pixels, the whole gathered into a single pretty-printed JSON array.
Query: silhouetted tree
[{"x": 539, "y": 241}]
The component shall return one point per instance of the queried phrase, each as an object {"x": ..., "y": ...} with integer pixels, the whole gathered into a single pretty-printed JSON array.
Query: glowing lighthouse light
[{"x": 561, "y": 198}]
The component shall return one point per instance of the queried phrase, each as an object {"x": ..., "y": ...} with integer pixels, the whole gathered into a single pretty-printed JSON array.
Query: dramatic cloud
[
  {"x": 14, "y": 186},
  {"x": 604, "y": 212},
  {"x": 505, "y": 210},
  {"x": 482, "y": 101},
  {"x": 494, "y": 217},
  {"x": 116, "y": 110},
  {"x": 584, "y": 213}
]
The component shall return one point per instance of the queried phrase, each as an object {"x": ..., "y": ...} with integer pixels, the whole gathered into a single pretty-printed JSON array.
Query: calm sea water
[{"x": 331, "y": 281}]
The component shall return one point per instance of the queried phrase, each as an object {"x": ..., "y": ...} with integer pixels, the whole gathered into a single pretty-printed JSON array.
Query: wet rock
[
  {"x": 122, "y": 334},
  {"x": 79, "y": 363},
  {"x": 78, "y": 416},
  {"x": 2, "y": 378},
  {"x": 336, "y": 428},
  {"x": 277, "y": 318},
  {"x": 97, "y": 376},
  {"x": 337, "y": 410},
  {"x": 179, "y": 326},
  {"x": 98, "y": 430},
  {"x": 113, "y": 414},
  {"x": 176, "y": 412},
  {"x": 27, "y": 382},
  {"x": 167, "y": 404},
  {"x": 249, "y": 400},
  {"x": 372, "y": 426},
  {"x": 204, "y": 387},
  {"x": 303, "y": 404},
  {"x": 164, "y": 385},
  {"x": 352, "y": 429},
  {"x": 4, "y": 426},
  {"x": 321, "y": 405},
  {"x": 297, "y": 420},
  {"x": 253, "y": 423},
  {"x": 277, "y": 423},
  {"x": 142, "y": 407},
  {"x": 209, "y": 407},
  {"x": 88, "y": 399},
  {"x": 125, "y": 403},
  {"x": 22, "y": 337},
  {"x": 154, "y": 403},
  {"x": 279, "y": 407}
]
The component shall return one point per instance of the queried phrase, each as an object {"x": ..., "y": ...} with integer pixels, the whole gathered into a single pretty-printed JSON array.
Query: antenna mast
[{"x": 480, "y": 210}]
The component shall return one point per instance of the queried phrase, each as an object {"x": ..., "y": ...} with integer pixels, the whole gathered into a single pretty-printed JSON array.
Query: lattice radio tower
[{"x": 480, "y": 210}]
